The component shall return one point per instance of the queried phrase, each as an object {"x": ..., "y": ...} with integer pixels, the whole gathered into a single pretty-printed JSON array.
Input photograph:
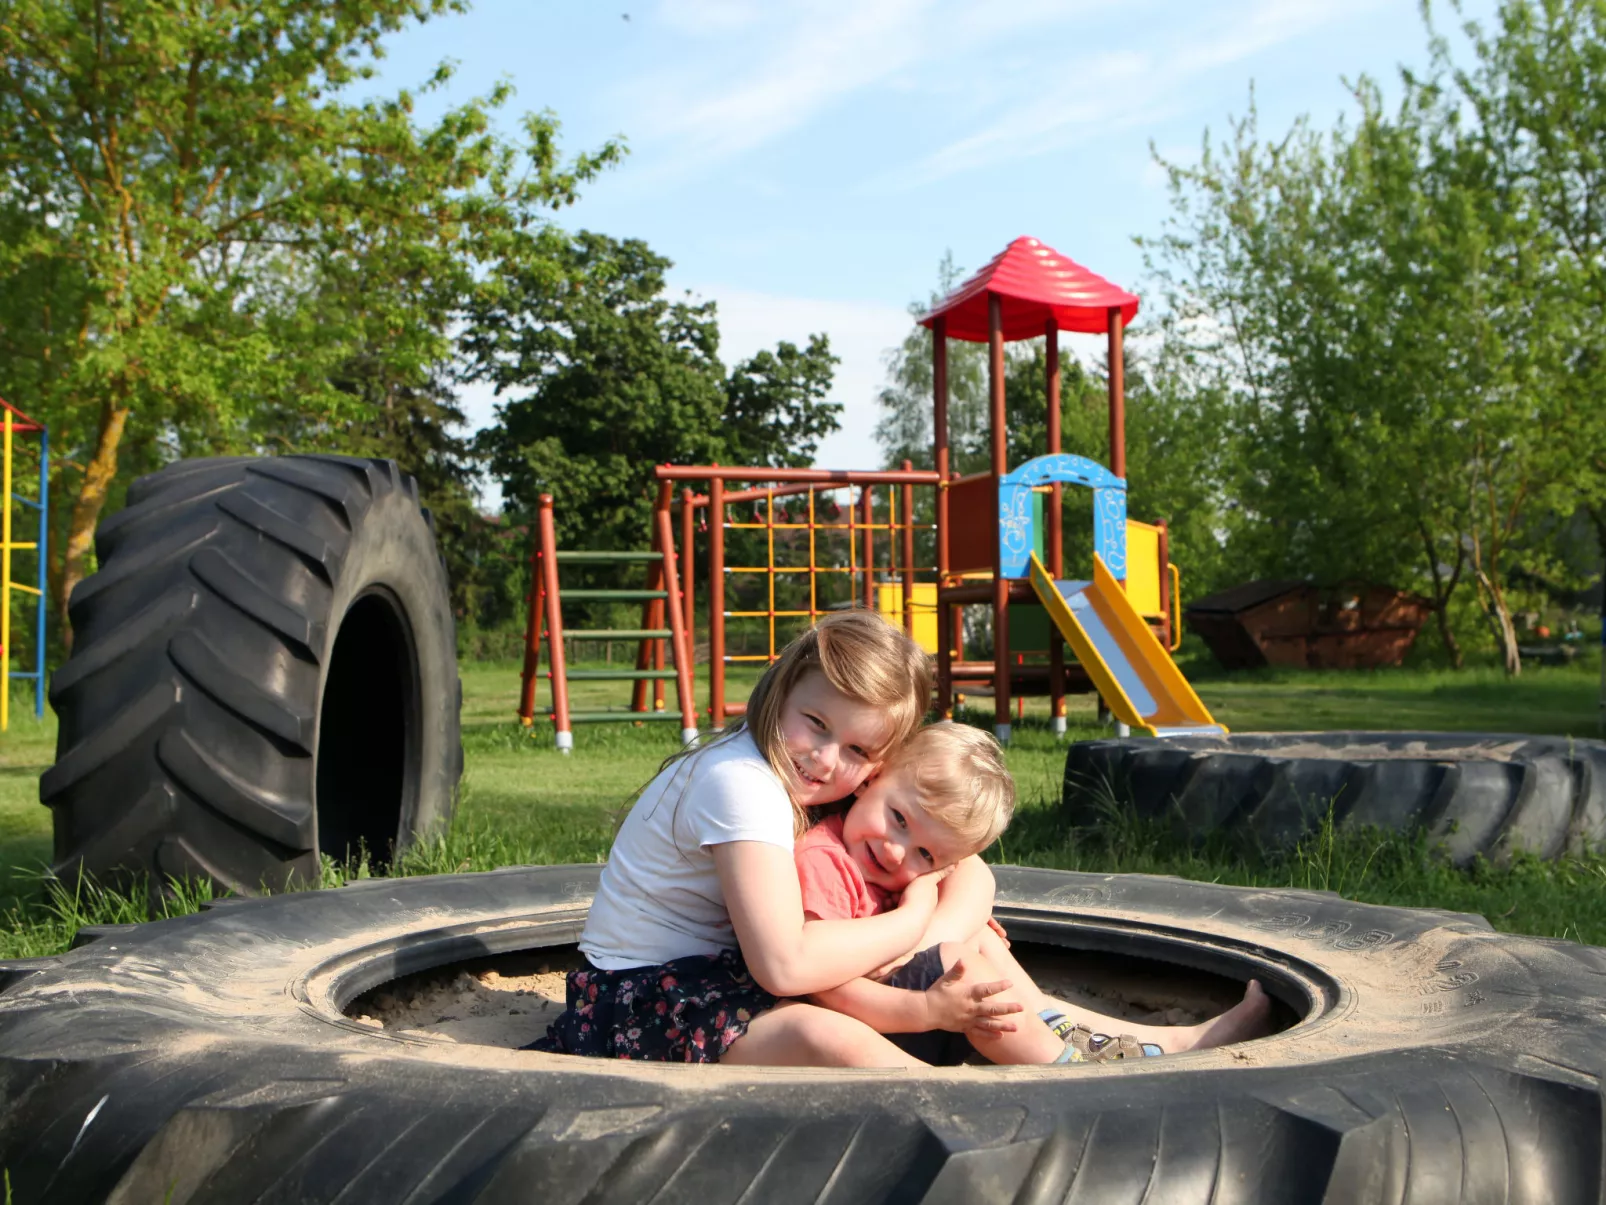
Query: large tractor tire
[
  {"x": 1473, "y": 794},
  {"x": 219, "y": 1058},
  {"x": 264, "y": 670}
]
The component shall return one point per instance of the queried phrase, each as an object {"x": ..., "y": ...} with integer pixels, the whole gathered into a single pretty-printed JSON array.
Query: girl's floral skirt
[{"x": 687, "y": 1011}]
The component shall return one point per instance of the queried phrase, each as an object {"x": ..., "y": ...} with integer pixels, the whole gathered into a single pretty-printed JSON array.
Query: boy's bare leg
[
  {"x": 1249, "y": 1018},
  {"x": 794, "y": 1034},
  {"x": 1031, "y": 1041}
]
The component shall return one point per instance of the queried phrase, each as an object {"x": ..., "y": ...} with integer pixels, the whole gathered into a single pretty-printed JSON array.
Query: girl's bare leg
[
  {"x": 794, "y": 1034},
  {"x": 1249, "y": 1018}
]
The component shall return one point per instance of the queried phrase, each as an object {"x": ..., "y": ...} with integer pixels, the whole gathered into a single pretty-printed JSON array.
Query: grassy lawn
[{"x": 523, "y": 802}]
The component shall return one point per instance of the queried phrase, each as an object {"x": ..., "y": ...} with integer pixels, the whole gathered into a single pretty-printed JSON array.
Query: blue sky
[{"x": 806, "y": 163}]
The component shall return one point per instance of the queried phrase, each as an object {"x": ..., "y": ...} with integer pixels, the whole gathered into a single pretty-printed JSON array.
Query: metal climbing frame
[
  {"x": 14, "y": 422},
  {"x": 860, "y": 569},
  {"x": 660, "y": 599}
]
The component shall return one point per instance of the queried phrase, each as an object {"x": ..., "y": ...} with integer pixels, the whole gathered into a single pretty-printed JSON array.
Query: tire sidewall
[{"x": 393, "y": 552}]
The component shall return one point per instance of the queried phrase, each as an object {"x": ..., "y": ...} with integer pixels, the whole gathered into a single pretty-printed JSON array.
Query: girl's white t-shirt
[{"x": 660, "y": 896}]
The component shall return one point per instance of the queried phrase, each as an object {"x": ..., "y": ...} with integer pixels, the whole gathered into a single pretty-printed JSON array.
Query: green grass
[{"x": 525, "y": 803}]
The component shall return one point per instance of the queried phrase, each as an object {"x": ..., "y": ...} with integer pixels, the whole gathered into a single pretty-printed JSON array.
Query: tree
[
  {"x": 180, "y": 179},
  {"x": 1367, "y": 301},
  {"x": 612, "y": 378}
]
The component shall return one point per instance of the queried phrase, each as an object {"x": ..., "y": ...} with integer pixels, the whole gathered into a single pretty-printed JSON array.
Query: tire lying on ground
[
  {"x": 208, "y": 1060},
  {"x": 264, "y": 668},
  {"x": 1472, "y": 793}
]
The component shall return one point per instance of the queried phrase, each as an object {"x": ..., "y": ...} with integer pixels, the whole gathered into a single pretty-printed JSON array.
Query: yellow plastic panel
[
  {"x": 889, "y": 601},
  {"x": 1143, "y": 568}
]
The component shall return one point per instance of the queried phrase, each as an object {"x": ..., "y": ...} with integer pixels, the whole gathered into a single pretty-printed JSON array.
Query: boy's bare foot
[{"x": 1249, "y": 1018}]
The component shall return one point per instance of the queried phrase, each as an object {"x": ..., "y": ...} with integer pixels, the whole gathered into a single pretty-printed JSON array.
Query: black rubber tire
[
  {"x": 208, "y": 1057},
  {"x": 1473, "y": 793},
  {"x": 264, "y": 668}
]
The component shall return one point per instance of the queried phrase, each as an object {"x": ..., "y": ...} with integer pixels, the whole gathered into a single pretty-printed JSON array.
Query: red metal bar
[
  {"x": 908, "y": 493},
  {"x": 939, "y": 435},
  {"x": 554, "y": 626},
  {"x": 688, "y": 621},
  {"x": 1117, "y": 396},
  {"x": 995, "y": 386},
  {"x": 27, "y": 424},
  {"x": 1055, "y": 534},
  {"x": 680, "y": 472},
  {"x": 869, "y": 549},
  {"x": 716, "y": 600},
  {"x": 688, "y": 533},
  {"x": 666, "y": 540},
  {"x": 532, "y": 639}
]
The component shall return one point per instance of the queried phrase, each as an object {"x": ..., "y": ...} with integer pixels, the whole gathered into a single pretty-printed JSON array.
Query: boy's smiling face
[{"x": 891, "y": 837}]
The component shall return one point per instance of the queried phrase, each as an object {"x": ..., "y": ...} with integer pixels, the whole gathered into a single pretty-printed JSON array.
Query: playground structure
[
  {"x": 988, "y": 545},
  {"x": 14, "y": 422}
]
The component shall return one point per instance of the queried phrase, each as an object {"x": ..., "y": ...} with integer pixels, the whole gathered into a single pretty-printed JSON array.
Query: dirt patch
[
  {"x": 1411, "y": 750},
  {"x": 509, "y": 1000}
]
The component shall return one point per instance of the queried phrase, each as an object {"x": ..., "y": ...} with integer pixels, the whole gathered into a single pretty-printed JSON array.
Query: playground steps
[{"x": 662, "y": 622}]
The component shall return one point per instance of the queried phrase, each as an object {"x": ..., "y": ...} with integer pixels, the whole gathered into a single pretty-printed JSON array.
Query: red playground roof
[{"x": 1036, "y": 283}]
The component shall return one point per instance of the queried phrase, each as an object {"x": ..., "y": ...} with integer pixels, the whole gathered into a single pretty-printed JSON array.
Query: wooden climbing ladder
[{"x": 662, "y": 619}]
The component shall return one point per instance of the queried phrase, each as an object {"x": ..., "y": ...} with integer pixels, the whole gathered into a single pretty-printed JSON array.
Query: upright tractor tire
[
  {"x": 264, "y": 669},
  {"x": 1472, "y": 794}
]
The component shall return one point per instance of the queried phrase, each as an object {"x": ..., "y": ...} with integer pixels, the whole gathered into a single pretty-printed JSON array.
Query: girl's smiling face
[{"x": 832, "y": 740}]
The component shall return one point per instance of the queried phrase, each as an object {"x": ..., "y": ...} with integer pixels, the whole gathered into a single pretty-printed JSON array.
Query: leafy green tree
[
  {"x": 1365, "y": 298},
  {"x": 610, "y": 378},
  {"x": 179, "y": 184}
]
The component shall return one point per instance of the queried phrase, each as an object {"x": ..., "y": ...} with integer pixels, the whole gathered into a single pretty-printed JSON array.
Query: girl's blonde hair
[
  {"x": 863, "y": 656},
  {"x": 958, "y": 773}
]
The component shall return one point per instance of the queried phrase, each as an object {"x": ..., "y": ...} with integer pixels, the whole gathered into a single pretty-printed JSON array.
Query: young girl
[{"x": 697, "y": 930}]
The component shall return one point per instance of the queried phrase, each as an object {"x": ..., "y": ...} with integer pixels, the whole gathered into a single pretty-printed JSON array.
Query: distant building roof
[
  {"x": 1240, "y": 598},
  {"x": 1035, "y": 283}
]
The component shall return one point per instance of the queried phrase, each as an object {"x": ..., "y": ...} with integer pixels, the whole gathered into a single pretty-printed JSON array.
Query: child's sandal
[{"x": 1101, "y": 1047}]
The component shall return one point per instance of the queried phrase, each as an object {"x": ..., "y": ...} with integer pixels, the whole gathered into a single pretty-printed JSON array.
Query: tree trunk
[
  {"x": 1505, "y": 630},
  {"x": 1442, "y": 590},
  {"x": 98, "y": 475}
]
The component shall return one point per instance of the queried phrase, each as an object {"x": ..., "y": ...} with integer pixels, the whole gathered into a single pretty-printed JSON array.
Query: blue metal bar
[
  {"x": 41, "y": 555},
  {"x": 25, "y": 501},
  {"x": 17, "y": 673}
]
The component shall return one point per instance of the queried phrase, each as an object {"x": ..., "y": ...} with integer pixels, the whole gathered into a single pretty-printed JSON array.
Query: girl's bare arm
[{"x": 791, "y": 958}]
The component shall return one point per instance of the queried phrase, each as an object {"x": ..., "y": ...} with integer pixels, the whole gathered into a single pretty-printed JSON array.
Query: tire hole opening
[
  {"x": 367, "y": 776},
  {"x": 507, "y": 1000}
]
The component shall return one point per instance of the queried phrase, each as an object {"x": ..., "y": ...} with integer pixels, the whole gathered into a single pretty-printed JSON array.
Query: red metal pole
[
  {"x": 554, "y": 627},
  {"x": 666, "y": 538},
  {"x": 1117, "y": 395},
  {"x": 908, "y": 493},
  {"x": 995, "y": 385},
  {"x": 683, "y": 472},
  {"x": 939, "y": 434},
  {"x": 869, "y": 548},
  {"x": 716, "y": 600},
  {"x": 532, "y": 637},
  {"x": 1055, "y": 532},
  {"x": 650, "y": 618},
  {"x": 688, "y": 562}
]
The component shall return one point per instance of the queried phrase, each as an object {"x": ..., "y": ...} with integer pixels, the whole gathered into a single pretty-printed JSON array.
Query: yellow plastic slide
[{"x": 1140, "y": 683}]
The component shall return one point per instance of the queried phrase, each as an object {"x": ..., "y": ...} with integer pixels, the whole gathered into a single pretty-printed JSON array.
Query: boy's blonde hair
[
  {"x": 958, "y": 772},
  {"x": 863, "y": 656}
]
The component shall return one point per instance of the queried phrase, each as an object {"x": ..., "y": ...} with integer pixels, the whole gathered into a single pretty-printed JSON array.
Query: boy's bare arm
[{"x": 964, "y": 904}]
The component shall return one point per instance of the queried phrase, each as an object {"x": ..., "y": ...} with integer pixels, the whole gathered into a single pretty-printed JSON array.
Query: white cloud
[
  {"x": 860, "y": 333},
  {"x": 799, "y": 66},
  {"x": 1120, "y": 89}
]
